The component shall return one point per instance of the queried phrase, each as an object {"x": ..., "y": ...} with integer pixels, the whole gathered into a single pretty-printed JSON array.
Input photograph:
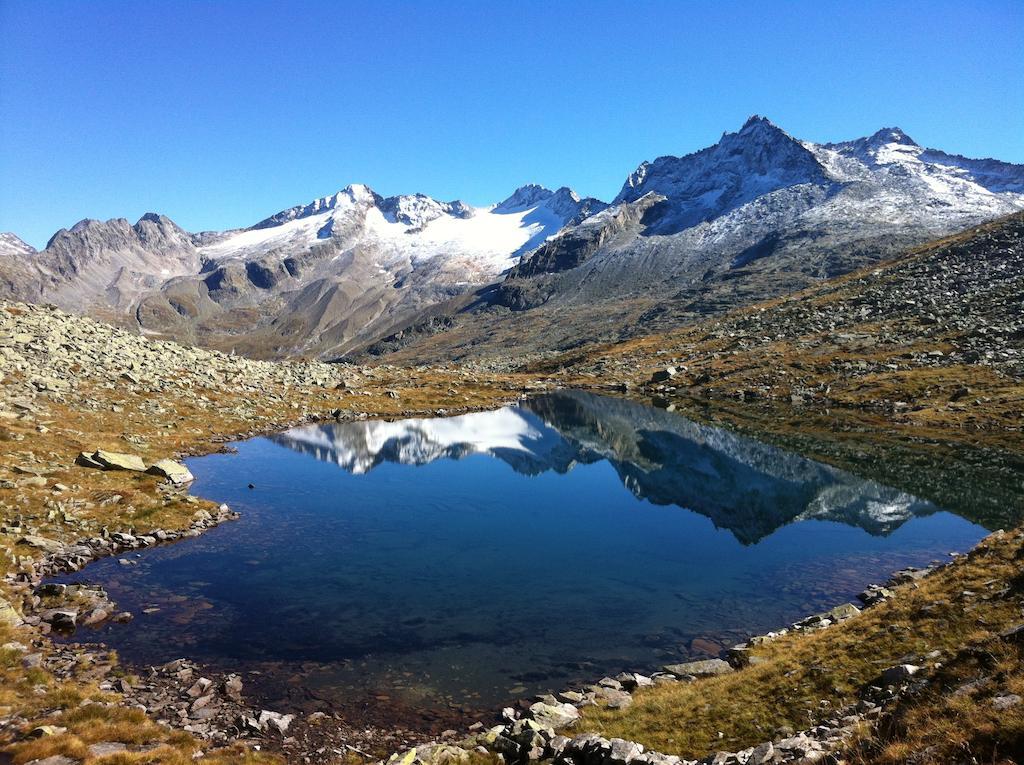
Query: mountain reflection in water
[
  {"x": 460, "y": 563},
  {"x": 743, "y": 485}
]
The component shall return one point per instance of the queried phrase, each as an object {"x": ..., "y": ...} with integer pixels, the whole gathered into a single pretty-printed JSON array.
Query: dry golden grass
[{"x": 803, "y": 678}]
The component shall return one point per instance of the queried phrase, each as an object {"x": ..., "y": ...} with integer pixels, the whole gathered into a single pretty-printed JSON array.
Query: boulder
[
  {"x": 274, "y": 721},
  {"x": 1006, "y": 701},
  {"x": 623, "y": 752},
  {"x": 1013, "y": 635},
  {"x": 663, "y": 375},
  {"x": 119, "y": 461},
  {"x": 62, "y": 619},
  {"x": 899, "y": 673},
  {"x": 86, "y": 460},
  {"x": 705, "y": 668},
  {"x": 233, "y": 687},
  {"x": 429, "y": 754},
  {"x": 554, "y": 715},
  {"x": 105, "y": 748},
  {"x": 41, "y": 543},
  {"x": 762, "y": 754},
  {"x": 173, "y": 471},
  {"x": 845, "y": 611},
  {"x": 875, "y": 593},
  {"x": 55, "y": 759}
]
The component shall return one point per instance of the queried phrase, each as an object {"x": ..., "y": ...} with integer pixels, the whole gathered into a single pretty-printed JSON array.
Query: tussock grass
[{"x": 803, "y": 678}]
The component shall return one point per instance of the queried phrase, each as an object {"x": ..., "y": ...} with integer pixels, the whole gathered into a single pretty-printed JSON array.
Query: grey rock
[
  {"x": 1006, "y": 701},
  {"x": 175, "y": 472},
  {"x": 705, "y": 668},
  {"x": 555, "y": 716},
  {"x": 274, "y": 721},
  {"x": 899, "y": 673},
  {"x": 119, "y": 461}
]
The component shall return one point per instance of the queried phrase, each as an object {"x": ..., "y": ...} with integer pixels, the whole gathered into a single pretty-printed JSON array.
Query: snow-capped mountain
[
  {"x": 747, "y": 486},
  {"x": 311, "y": 278},
  {"x": 479, "y": 242},
  {"x": 743, "y": 166},
  {"x": 12, "y": 245},
  {"x": 758, "y": 214},
  {"x": 755, "y": 215}
]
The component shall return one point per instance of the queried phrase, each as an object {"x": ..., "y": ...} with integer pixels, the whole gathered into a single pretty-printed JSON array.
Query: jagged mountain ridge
[
  {"x": 757, "y": 214},
  {"x": 313, "y": 275},
  {"x": 745, "y": 486}
]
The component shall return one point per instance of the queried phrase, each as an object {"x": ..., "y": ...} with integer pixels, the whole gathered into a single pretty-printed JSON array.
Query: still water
[{"x": 434, "y": 565}]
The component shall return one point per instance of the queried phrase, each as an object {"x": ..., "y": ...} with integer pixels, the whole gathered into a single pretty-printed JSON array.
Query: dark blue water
[{"x": 459, "y": 563}]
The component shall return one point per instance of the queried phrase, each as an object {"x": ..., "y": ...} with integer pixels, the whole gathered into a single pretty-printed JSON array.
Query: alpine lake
[{"x": 427, "y": 571}]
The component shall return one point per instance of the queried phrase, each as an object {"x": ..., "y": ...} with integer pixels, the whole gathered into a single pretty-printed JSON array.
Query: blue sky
[{"x": 218, "y": 114}]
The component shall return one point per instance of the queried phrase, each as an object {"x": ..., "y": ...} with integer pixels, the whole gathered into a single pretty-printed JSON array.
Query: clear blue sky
[{"x": 218, "y": 114}]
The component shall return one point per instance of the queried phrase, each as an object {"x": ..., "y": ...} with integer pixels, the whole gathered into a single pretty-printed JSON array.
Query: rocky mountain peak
[
  {"x": 12, "y": 244},
  {"x": 530, "y": 195},
  {"x": 757, "y": 122},
  {"x": 891, "y": 135},
  {"x": 354, "y": 193},
  {"x": 756, "y": 160},
  {"x": 156, "y": 230},
  {"x": 82, "y": 225},
  {"x": 417, "y": 210}
]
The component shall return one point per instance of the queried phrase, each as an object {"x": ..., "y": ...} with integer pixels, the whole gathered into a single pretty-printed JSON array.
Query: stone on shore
[
  {"x": 554, "y": 715},
  {"x": 274, "y": 721},
  {"x": 175, "y": 472},
  {"x": 705, "y": 668},
  {"x": 119, "y": 461},
  {"x": 663, "y": 375}
]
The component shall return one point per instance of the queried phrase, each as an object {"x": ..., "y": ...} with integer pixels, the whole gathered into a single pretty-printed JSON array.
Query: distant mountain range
[
  {"x": 743, "y": 485},
  {"x": 758, "y": 214}
]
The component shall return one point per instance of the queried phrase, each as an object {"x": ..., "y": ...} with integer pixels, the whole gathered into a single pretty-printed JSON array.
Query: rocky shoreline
[{"x": 537, "y": 732}]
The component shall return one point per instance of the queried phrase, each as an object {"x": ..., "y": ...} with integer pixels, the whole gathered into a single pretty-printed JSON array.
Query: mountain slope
[
  {"x": 307, "y": 280},
  {"x": 758, "y": 214}
]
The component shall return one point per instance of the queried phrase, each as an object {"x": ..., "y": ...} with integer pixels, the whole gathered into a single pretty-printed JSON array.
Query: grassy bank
[{"x": 948, "y": 623}]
